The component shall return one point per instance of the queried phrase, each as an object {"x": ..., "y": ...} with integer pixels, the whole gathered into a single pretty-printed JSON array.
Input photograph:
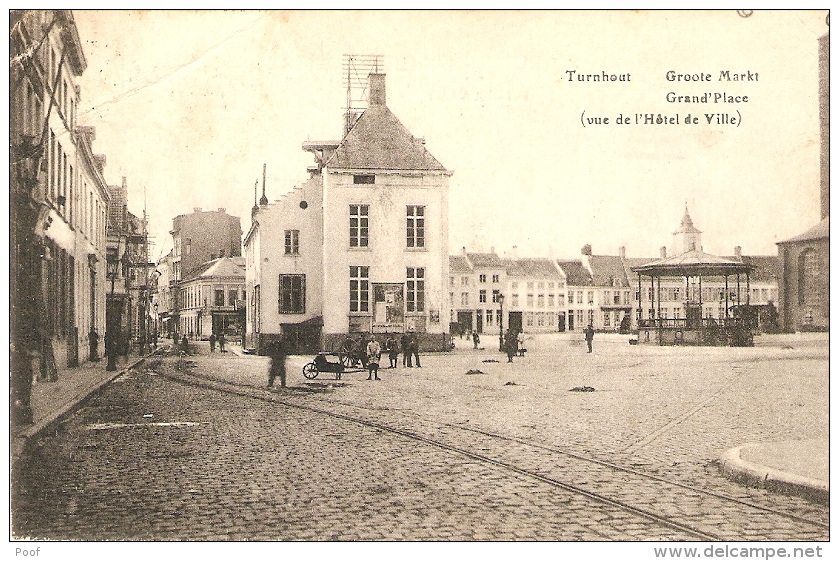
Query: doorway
[{"x": 514, "y": 319}]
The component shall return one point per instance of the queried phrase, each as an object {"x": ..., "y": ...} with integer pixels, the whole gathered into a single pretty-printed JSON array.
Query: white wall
[{"x": 387, "y": 254}]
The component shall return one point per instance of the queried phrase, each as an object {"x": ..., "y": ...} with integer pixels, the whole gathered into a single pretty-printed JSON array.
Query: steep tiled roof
[
  {"x": 576, "y": 274},
  {"x": 485, "y": 260},
  {"x": 818, "y": 232},
  {"x": 767, "y": 268},
  {"x": 222, "y": 267},
  {"x": 532, "y": 267},
  {"x": 379, "y": 141},
  {"x": 606, "y": 268},
  {"x": 458, "y": 264}
]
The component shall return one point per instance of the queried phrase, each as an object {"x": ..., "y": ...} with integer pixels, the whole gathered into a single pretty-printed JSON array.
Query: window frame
[
  {"x": 359, "y": 289},
  {"x": 286, "y": 302},
  {"x": 359, "y": 226},
  {"x": 292, "y": 242},
  {"x": 415, "y": 290},
  {"x": 415, "y": 226}
]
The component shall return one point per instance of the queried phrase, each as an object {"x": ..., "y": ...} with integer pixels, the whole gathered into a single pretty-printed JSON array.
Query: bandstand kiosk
[{"x": 731, "y": 328}]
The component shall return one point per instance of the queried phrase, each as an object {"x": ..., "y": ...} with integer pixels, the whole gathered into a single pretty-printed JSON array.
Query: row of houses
[
  {"x": 541, "y": 295},
  {"x": 77, "y": 256}
]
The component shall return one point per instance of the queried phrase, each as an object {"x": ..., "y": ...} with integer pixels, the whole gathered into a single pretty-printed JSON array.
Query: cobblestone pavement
[{"x": 256, "y": 470}]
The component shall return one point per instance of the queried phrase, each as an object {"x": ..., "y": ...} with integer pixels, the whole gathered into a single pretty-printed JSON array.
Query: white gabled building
[{"x": 361, "y": 247}]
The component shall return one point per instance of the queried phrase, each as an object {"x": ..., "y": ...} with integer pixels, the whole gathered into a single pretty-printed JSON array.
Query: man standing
[
  {"x": 415, "y": 349},
  {"x": 222, "y": 340},
  {"x": 278, "y": 355},
  {"x": 93, "y": 341},
  {"x": 475, "y": 339},
  {"x": 374, "y": 353},
  {"x": 406, "y": 350},
  {"x": 510, "y": 345},
  {"x": 589, "y": 333},
  {"x": 212, "y": 342}
]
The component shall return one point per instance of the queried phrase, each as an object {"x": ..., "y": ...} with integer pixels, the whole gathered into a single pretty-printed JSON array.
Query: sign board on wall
[{"x": 388, "y": 307}]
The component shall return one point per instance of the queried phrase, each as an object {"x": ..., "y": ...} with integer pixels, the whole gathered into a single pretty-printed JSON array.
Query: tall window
[
  {"x": 416, "y": 226},
  {"x": 416, "y": 289},
  {"x": 232, "y": 296},
  {"x": 496, "y": 279},
  {"x": 292, "y": 294},
  {"x": 359, "y": 289},
  {"x": 495, "y": 294},
  {"x": 482, "y": 296},
  {"x": 219, "y": 301},
  {"x": 482, "y": 278},
  {"x": 809, "y": 269},
  {"x": 359, "y": 225},
  {"x": 540, "y": 300},
  {"x": 464, "y": 298},
  {"x": 515, "y": 301},
  {"x": 292, "y": 242},
  {"x": 529, "y": 300},
  {"x": 488, "y": 317}
]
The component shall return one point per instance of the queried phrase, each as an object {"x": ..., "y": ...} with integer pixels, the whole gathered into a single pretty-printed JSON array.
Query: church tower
[{"x": 687, "y": 237}]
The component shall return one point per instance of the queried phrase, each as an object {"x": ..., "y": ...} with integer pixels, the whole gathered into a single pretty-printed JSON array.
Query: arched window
[{"x": 809, "y": 269}]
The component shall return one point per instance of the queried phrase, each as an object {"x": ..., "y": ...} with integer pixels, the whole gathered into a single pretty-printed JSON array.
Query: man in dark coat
[
  {"x": 510, "y": 345},
  {"x": 278, "y": 356},
  {"x": 406, "y": 350},
  {"x": 93, "y": 341},
  {"x": 415, "y": 349},
  {"x": 589, "y": 333}
]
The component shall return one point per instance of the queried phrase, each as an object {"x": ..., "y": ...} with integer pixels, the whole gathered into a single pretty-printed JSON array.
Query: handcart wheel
[
  {"x": 310, "y": 371},
  {"x": 346, "y": 360}
]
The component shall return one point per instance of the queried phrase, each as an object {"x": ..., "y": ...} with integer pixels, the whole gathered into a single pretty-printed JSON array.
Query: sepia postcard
[{"x": 547, "y": 277}]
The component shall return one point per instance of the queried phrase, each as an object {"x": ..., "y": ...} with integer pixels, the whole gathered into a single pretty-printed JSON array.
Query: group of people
[
  {"x": 222, "y": 341},
  {"x": 409, "y": 345}
]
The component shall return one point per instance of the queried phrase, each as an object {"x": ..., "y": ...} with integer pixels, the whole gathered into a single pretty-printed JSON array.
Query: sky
[{"x": 188, "y": 105}]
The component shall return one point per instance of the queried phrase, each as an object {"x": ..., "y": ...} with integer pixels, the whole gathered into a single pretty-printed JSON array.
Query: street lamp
[
  {"x": 501, "y": 323},
  {"x": 111, "y": 338}
]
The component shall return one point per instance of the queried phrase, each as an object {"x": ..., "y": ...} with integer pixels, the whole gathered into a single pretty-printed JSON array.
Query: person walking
[
  {"x": 475, "y": 339},
  {"x": 93, "y": 342},
  {"x": 212, "y": 342},
  {"x": 222, "y": 340},
  {"x": 278, "y": 355},
  {"x": 406, "y": 350},
  {"x": 589, "y": 333},
  {"x": 374, "y": 353},
  {"x": 520, "y": 343},
  {"x": 415, "y": 349},
  {"x": 510, "y": 345},
  {"x": 392, "y": 351},
  {"x": 184, "y": 344}
]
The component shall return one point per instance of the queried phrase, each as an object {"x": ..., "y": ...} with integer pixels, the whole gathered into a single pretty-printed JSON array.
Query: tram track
[{"x": 680, "y": 510}]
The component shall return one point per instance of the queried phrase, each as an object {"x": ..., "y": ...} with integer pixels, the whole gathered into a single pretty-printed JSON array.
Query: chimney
[
  {"x": 622, "y": 252},
  {"x": 663, "y": 252},
  {"x": 377, "y": 89},
  {"x": 463, "y": 251},
  {"x": 492, "y": 249},
  {"x": 196, "y": 209},
  {"x": 586, "y": 249},
  {"x": 514, "y": 253},
  {"x": 738, "y": 252},
  {"x": 222, "y": 209}
]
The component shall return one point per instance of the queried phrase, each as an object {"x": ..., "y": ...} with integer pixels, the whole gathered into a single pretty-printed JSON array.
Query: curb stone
[{"x": 734, "y": 467}]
